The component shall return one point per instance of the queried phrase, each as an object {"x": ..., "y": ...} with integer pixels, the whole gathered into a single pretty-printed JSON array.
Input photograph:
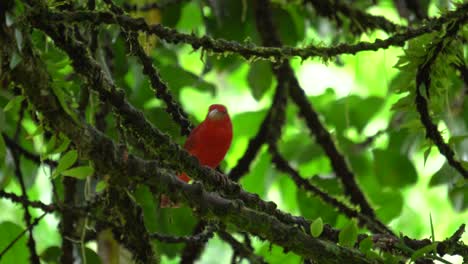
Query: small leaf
[
  {"x": 65, "y": 162},
  {"x": 65, "y": 143},
  {"x": 81, "y": 172},
  {"x": 348, "y": 235},
  {"x": 366, "y": 245},
  {"x": 15, "y": 60},
  {"x": 259, "y": 78},
  {"x": 101, "y": 185},
  {"x": 423, "y": 251},
  {"x": 445, "y": 175},
  {"x": 91, "y": 257},
  {"x": 51, "y": 254},
  {"x": 316, "y": 227},
  {"x": 50, "y": 145},
  {"x": 16, "y": 101},
  {"x": 39, "y": 131},
  {"x": 61, "y": 98}
]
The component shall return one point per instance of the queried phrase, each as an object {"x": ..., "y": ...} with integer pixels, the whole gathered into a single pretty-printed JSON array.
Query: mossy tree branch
[{"x": 248, "y": 51}]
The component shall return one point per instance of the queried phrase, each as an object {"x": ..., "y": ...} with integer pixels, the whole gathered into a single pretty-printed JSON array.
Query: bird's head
[{"x": 217, "y": 112}]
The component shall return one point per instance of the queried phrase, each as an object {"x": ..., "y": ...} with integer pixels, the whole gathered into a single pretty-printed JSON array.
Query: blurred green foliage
[{"x": 356, "y": 96}]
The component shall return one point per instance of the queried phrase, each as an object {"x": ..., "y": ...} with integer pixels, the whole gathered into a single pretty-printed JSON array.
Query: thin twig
[
  {"x": 161, "y": 89},
  {"x": 239, "y": 248}
]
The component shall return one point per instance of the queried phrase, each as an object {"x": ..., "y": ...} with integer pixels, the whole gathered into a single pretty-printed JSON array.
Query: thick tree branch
[
  {"x": 119, "y": 164},
  {"x": 248, "y": 51},
  {"x": 155, "y": 141}
]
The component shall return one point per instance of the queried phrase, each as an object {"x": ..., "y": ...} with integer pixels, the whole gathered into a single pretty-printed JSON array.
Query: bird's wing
[{"x": 191, "y": 142}]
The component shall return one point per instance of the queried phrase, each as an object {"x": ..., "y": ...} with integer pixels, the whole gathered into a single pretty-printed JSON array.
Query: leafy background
[{"x": 354, "y": 94}]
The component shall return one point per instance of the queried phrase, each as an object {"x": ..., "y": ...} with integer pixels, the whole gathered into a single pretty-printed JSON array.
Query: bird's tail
[
  {"x": 184, "y": 177},
  {"x": 165, "y": 202}
]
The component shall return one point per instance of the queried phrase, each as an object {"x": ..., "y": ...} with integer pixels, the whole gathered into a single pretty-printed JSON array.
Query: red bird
[{"x": 209, "y": 141}]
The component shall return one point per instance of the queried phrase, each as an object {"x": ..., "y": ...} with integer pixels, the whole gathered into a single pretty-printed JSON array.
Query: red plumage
[
  {"x": 211, "y": 139},
  {"x": 208, "y": 142}
]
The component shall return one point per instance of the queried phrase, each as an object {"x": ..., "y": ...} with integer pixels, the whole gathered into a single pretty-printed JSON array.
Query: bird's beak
[{"x": 215, "y": 114}]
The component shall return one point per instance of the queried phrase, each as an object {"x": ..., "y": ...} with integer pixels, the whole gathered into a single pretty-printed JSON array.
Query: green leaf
[
  {"x": 81, "y": 172},
  {"x": 348, "y": 235},
  {"x": 18, "y": 253},
  {"x": 13, "y": 103},
  {"x": 274, "y": 254},
  {"x": 101, "y": 185},
  {"x": 51, "y": 254},
  {"x": 65, "y": 162},
  {"x": 353, "y": 111},
  {"x": 259, "y": 78},
  {"x": 366, "y": 245},
  {"x": 458, "y": 195},
  {"x": 312, "y": 207},
  {"x": 445, "y": 175},
  {"x": 389, "y": 204},
  {"x": 457, "y": 139},
  {"x": 63, "y": 146},
  {"x": 393, "y": 169},
  {"x": 178, "y": 78},
  {"x": 61, "y": 98},
  {"x": 91, "y": 257},
  {"x": 39, "y": 131},
  {"x": 423, "y": 251},
  {"x": 316, "y": 227},
  {"x": 51, "y": 145}
]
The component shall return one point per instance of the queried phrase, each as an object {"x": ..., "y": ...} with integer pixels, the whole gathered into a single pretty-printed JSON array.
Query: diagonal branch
[
  {"x": 282, "y": 164},
  {"x": 423, "y": 79},
  {"x": 14, "y": 146},
  {"x": 266, "y": 131},
  {"x": 323, "y": 138},
  {"x": 162, "y": 91}
]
